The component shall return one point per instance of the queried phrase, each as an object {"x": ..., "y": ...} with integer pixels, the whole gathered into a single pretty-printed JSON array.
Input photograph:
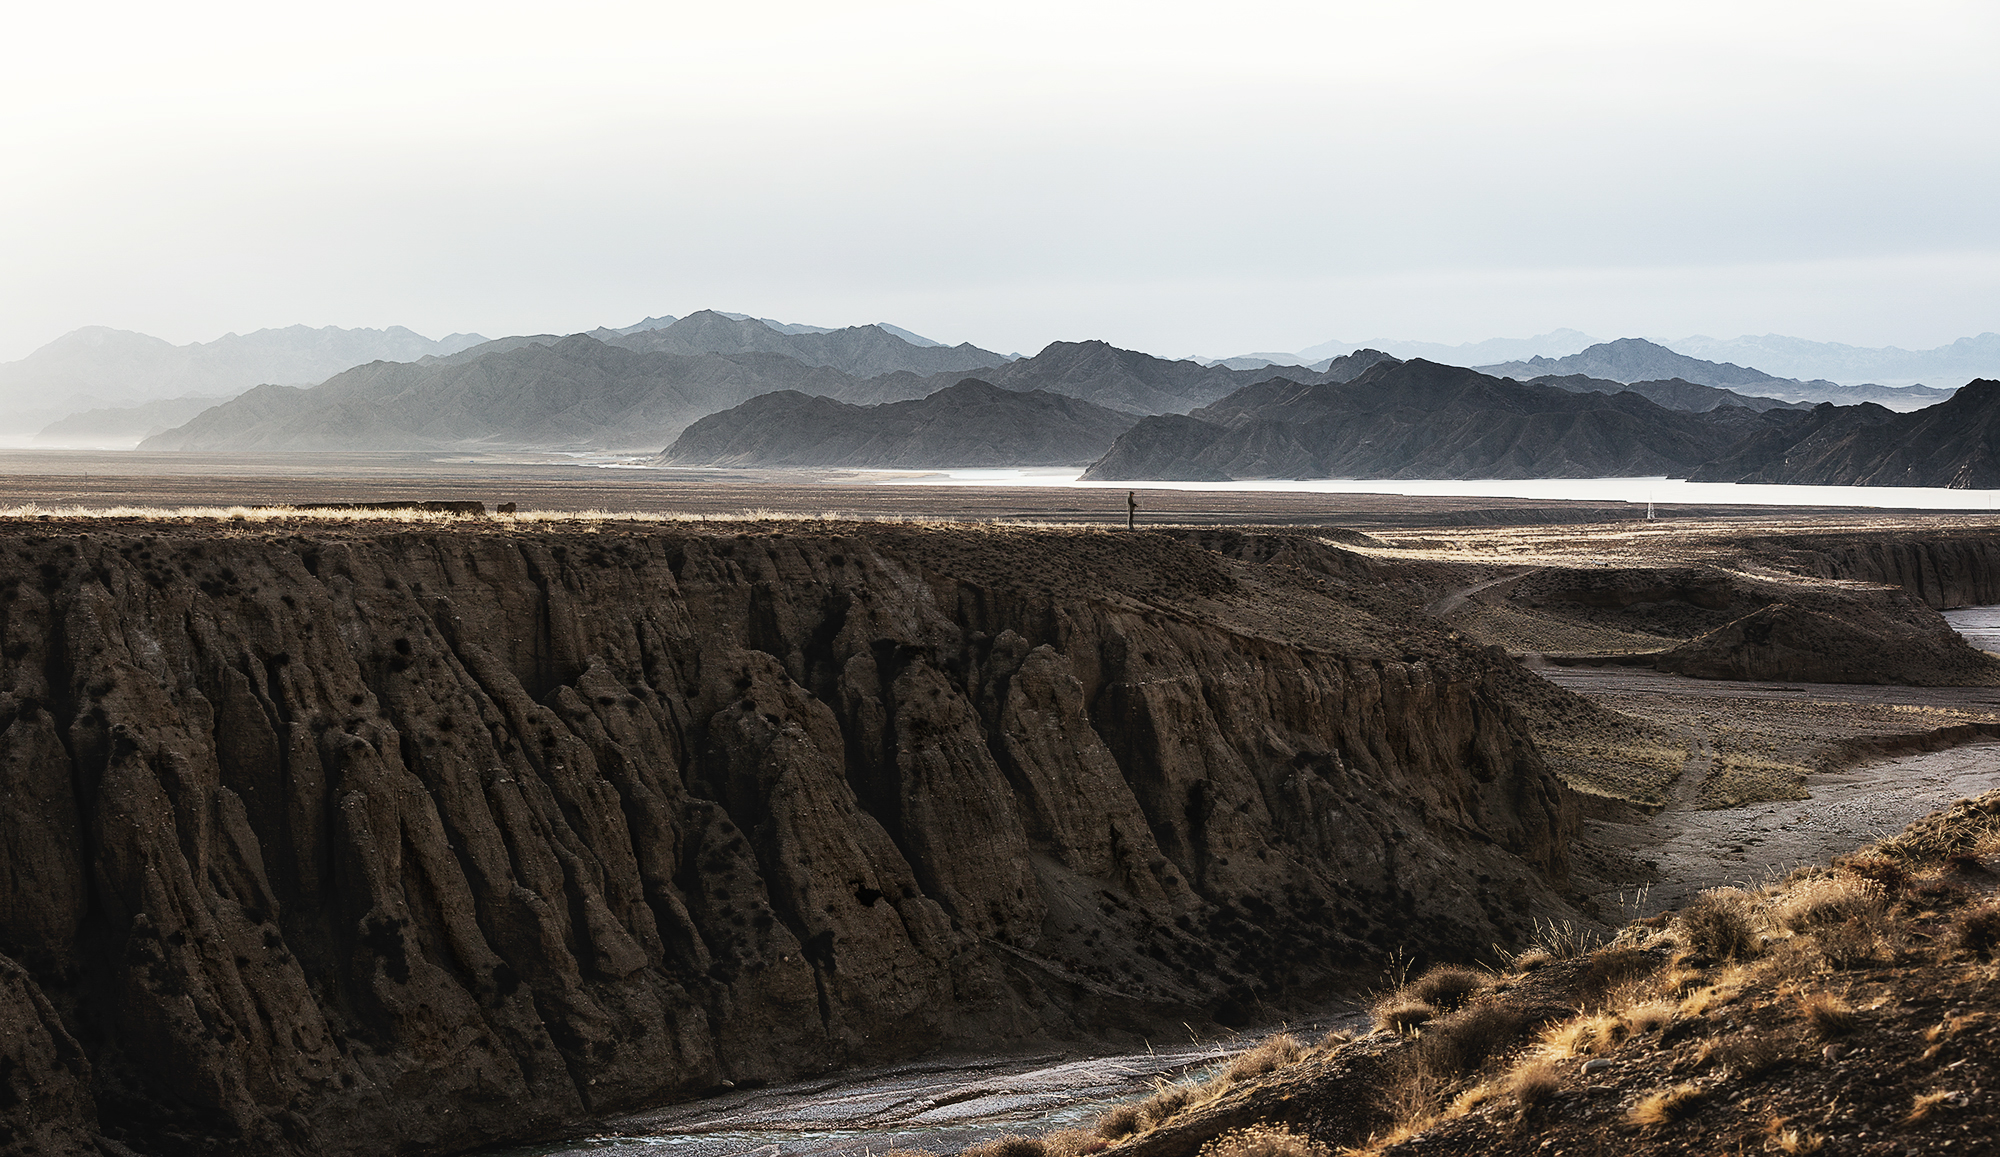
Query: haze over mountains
[
  {"x": 1777, "y": 356},
  {"x": 98, "y": 367},
  {"x": 770, "y": 393},
  {"x": 583, "y": 393}
]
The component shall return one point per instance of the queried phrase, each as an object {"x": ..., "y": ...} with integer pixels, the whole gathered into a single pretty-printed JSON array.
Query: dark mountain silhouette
[
  {"x": 1419, "y": 419},
  {"x": 973, "y": 423},
  {"x": 1952, "y": 444},
  {"x": 862, "y": 351},
  {"x": 1143, "y": 384},
  {"x": 1674, "y": 394}
]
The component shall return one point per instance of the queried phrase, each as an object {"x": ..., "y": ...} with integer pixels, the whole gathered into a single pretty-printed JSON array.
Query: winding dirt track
[{"x": 1686, "y": 849}]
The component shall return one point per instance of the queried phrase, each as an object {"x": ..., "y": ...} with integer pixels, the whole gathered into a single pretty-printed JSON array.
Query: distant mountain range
[
  {"x": 1635, "y": 359},
  {"x": 1419, "y": 419},
  {"x": 1944, "y": 366},
  {"x": 1778, "y": 356},
  {"x": 973, "y": 423},
  {"x": 581, "y": 392},
  {"x": 97, "y": 367}
]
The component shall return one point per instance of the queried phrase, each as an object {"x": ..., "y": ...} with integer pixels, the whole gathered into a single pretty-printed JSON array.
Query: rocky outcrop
[
  {"x": 1785, "y": 642},
  {"x": 369, "y": 841}
]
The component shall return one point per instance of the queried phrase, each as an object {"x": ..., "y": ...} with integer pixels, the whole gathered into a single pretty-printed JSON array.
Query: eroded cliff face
[{"x": 367, "y": 841}]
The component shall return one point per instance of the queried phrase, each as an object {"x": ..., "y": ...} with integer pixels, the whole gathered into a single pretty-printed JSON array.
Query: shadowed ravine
[{"x": 379, "y": 839}]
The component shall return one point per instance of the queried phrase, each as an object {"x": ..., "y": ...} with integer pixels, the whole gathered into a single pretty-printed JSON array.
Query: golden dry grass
[{"x": 1667, "y": 1105}]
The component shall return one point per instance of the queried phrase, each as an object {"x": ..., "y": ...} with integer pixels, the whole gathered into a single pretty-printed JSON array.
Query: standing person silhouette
[{"x": 1131, "y": 509}]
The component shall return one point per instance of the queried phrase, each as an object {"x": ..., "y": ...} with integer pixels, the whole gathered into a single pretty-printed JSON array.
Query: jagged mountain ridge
[
  {"x": 1952, "y": 444},
  {"x": 863, "y": 351},
  {"x": 973, "y": 423},
  {"x": 1674, "y": 393},
  {"x": 1419, "y": 419},
  {"x": 579, "y": 393}
]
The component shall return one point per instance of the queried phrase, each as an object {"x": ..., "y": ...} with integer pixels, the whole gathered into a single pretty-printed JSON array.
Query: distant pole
[{"x": 1131, "y": 509}]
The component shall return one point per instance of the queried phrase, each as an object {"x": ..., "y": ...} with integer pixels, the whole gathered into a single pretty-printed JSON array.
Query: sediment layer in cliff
[{"x": 368, "y": 839}]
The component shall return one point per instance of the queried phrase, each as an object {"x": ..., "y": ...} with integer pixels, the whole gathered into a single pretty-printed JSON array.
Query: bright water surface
[
  {"x": 1635, "y": 490},
  {"x": 1979, "y": 626}
]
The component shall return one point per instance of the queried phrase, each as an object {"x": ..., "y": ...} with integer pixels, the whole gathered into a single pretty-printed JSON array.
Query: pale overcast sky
[{"x": 1169, "y": 176}]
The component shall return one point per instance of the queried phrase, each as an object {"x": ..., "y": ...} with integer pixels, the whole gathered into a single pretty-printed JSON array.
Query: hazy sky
[{"x": 1171, "y": 176}]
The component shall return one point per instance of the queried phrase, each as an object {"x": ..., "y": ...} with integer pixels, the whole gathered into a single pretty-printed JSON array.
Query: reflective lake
[{"x": 1634, "y": 490}]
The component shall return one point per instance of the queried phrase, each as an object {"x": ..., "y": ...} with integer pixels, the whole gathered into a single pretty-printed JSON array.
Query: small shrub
[
  {"x": 1402, "y": 1016},
  {"x": 1120, "y": 1122},
  {"x": 1830, "y": 901},
  {"x": 1828, "y": 1015},
  {"x": 1263, "y": 1141},
  {"x": 1717, "y": 926},
  {"x": 1978, "y": 932},
  {"x": 1610, "y": 967},
  {"x": 1849, "y": 945},
  {"x": 1534, "y": 1085},
  {"x": 1667, "y": 1106},
  {"x": 1463, "y": 1041},
  {"x": 1446, "y": 987}
]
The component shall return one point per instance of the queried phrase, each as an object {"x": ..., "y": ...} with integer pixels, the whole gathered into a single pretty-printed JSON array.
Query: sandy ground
[
  {"x": 942, "y": 1105},
  {"x": 1638, "y": 864}
]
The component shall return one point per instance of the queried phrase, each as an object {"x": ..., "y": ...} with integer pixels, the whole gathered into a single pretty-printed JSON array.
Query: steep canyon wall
[{"x": 384, "y": 840}]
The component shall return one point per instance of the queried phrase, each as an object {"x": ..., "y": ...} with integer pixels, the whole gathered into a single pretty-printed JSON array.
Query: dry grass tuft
[
  {"x": 1926, "y": 1102},
  {"x": 1010, "y": 1145},
  {"x": 1119, "y": 1122},
  {"x": 1717, "y": 925},
  {"x": 1403, "y": 1016},
  {"x": 1446, "y": 987},
  {"x": 1830, "y": 901},
  {"x": 1462, "y": 1042},
  {"x": 1667, "y": 1106},
  {"x": 1977, "y": 932},
  {"x": 1533, "y": 1084},
  {"x": 1652, "y": 1016},
  {"x": 1263, "y": 1141},
  {"x": 1073, "y": 1143},
  {"x": 1828, "y": 1015},
  {"x": 1780, "y": 1137},
  {"x": 1273, "y": 1053}
]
